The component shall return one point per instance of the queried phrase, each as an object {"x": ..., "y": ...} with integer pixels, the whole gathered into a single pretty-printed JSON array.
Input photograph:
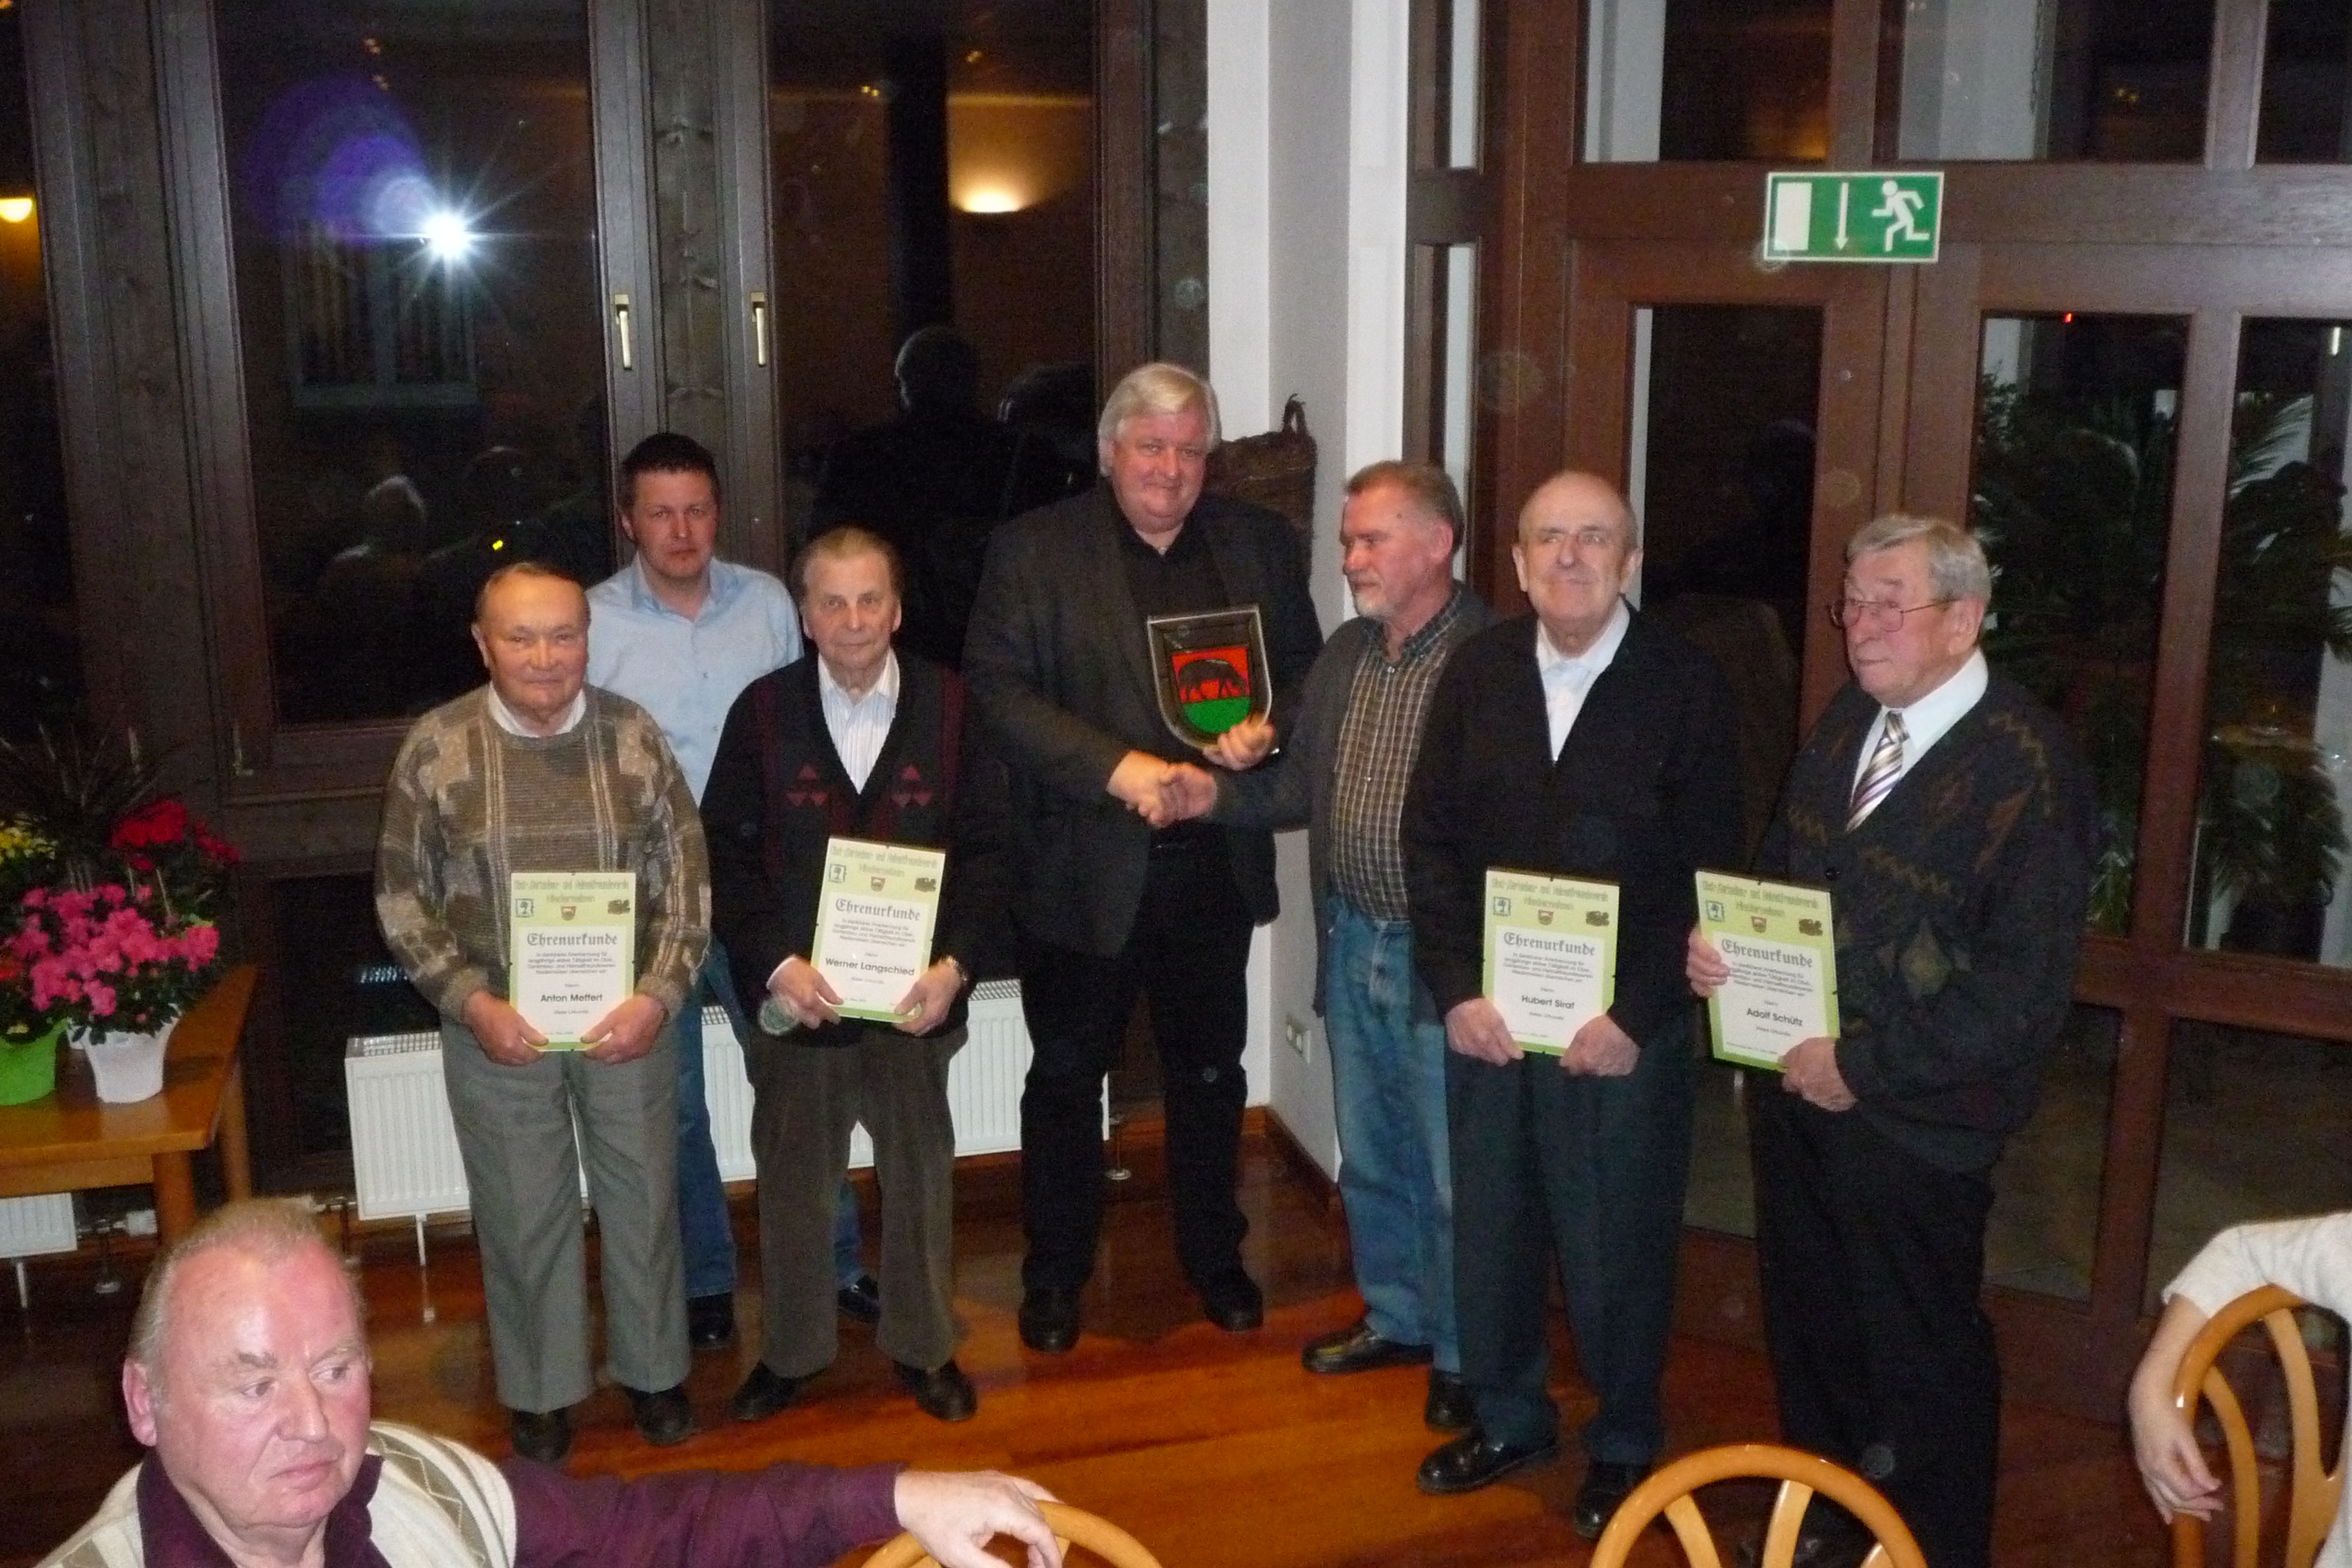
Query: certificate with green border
[
  {"x": 1781, "y": 945},
  {"x": 573, "y": 949},
  {"x": 1551, "y": 954},
  {"x": 873, "y": 921}
]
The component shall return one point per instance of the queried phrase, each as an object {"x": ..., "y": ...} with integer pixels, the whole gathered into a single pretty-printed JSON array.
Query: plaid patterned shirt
[{"x": 1378, "y": 741}]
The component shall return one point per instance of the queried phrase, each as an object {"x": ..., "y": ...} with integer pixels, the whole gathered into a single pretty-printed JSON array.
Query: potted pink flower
[{"x": 116, "y": 966}]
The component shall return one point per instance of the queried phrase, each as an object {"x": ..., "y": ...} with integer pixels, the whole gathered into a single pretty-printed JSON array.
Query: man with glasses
[{"x": 1950, "y": 817}]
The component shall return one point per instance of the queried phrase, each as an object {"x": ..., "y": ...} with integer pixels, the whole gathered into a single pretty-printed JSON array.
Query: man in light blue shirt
[{"x": 682, "y": 633}]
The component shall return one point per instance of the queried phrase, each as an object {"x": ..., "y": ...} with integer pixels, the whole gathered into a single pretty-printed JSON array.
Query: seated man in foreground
[
  {"x": 248, "y": 1376},
  {"x": 2311, "y": 1258}
]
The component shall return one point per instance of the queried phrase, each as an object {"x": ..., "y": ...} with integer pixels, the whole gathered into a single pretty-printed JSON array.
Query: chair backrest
[
  {"x": 2312, "y": 1493},
  {"x": 1801, "y": 1475},
  {"x": 1072, "y": 1527}
]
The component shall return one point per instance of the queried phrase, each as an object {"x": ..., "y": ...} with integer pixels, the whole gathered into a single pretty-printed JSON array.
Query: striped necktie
[{"x": 1885, "y": 767}]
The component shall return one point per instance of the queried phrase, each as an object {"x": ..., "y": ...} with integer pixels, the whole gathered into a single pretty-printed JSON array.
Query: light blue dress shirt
[
  {"x": 1567, "y": 679},
  {"x": 687, "y": 673}
]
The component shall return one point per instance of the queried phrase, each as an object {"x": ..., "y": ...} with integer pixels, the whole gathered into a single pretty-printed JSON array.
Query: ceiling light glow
[
  {"x": 448, "y": 236},
  {"x": 15, "y": 209}
]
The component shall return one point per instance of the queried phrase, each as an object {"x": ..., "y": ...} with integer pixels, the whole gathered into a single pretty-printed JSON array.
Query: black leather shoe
[
  {"x": 1606, "y": 1484},
  {"x": 763, "y": 1393},
  {"x": 1450, "y": 1406},
  {"x": 860, "y": 1298},
  {"x": 1233, "y": 1302},
  {"x": 663, "y": 1416},
  {"x": 1358, "y": 1349},
  {"x": 543, "y": 1436},
  {"x": 1049, "y": 1319},
  {"x": 944, "y": 1393},
  {"x": 1475, "y": 1460},
  {"x": 710, "y": 1321}
]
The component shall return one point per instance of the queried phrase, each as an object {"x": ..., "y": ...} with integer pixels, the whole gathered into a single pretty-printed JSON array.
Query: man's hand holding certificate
[
  {"x": 874, "y": 923},
  {"x": 1551, "y": 957},
  {"x": 572, "y": 961},
  {"x": 1774, "y": 982}
]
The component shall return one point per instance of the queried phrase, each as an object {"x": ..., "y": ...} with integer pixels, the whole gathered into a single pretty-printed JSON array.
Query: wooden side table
[{"x": 73, "y": 1140}]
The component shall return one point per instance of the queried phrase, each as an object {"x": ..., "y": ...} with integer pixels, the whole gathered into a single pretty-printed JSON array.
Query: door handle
[{"x": 621, "y": 326}]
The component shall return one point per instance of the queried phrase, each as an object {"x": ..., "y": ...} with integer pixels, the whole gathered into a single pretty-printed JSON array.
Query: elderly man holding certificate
[
  {"x": 1949, "y": 817},
  {"x": 857, "y": 830},
  {"x": 1576, "y": 771},
  {"x": 541, "y": 876}
]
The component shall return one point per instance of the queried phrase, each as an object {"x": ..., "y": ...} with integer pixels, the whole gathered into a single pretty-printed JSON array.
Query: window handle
[
  {"x": 621, "y": 326},
  {"x": 758, "y": 326}
]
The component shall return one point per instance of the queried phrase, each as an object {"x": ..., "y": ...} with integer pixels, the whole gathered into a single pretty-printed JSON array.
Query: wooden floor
[{"x": 1213, "y": 1448}]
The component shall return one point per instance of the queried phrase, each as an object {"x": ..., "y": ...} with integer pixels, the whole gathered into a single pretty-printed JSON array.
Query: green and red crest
[{"x": 1210, "y": 671}]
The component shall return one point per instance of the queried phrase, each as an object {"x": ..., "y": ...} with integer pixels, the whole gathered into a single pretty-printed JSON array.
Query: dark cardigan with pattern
[
  {"x": 1959, "y": 905},
  {"x": 767, "y": 824}
]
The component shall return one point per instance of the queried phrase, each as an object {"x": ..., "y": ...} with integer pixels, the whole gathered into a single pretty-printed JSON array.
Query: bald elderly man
[
  {"x": 1582, "y": 741},
  {"x": 246, "y": 1378}
]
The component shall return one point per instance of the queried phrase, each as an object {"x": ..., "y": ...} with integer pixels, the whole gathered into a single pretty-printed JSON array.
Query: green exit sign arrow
[{"x": 1880, "y": 217}]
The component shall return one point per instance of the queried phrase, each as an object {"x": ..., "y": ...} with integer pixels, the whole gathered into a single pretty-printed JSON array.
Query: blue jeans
[
  {"x": 1388, "y": 1080},
  {"x": 707, "y": 1237}
]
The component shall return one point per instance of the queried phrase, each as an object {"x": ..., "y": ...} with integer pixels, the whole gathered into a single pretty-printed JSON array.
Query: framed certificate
[
  {"x": 1551, "y": 954},
  {"x": 873, "y": 921},
  {"x": 573, "y": 954},
  {"x": 1781, "y": 945}
]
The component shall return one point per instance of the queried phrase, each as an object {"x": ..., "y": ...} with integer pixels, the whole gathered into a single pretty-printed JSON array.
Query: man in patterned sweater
[
  {"x": 539, "y": 772},
  {"x": 1950, "y": 817}
]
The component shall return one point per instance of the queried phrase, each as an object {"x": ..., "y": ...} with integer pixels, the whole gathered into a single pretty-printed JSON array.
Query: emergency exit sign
[{"x": 1853, "y": 216}]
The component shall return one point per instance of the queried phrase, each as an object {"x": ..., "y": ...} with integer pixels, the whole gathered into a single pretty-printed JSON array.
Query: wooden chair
[
  {"x": 1072, "y": 1527},
  {"x": 1801, "y": 1475},
  {"x": 2312, "y": 1493}
]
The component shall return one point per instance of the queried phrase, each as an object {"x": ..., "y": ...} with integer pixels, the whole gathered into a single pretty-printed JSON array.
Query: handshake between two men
[{"x": 1163, "y": 792}]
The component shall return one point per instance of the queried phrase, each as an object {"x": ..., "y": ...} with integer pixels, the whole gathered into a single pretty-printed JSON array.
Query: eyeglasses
[{"x": 1844, "y": 613}]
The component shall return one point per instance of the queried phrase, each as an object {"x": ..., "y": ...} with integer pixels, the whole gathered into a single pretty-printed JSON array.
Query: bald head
[{"x": 1578, "y": 549}]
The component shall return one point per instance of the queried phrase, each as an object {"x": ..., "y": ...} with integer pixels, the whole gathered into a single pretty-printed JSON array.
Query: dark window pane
[
  {"x": 1179, "y": 123},
  {"x": 2073, "y": 493},
  {"x": 40, "y": 643},
  {"x": 1707, "y": 81},
  {"x": 2271, "y": 804},
  {"x": 335, "y": 979},
  {"x": 2307, "y": 89},
  {"x": 2256, "y": 1127},
  {"x": 2115, "y": 80},
  {"x": 1746, "y": 79},
  {"x": 1726, "y": 497},
  {"x": 933, "y": 169},
  {"x": 413, "y": 214},
  {"x": 2046, "y": 1191}
]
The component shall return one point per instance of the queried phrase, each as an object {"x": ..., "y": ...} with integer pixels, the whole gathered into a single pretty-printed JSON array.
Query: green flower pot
[{"x": 29, "y": 1070}]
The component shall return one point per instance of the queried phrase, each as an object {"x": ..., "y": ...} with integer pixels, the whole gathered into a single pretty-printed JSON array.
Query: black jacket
[
  {"x": 768, "y": 811},
  {"x": 1644, "y": 793},
  {"x": 1061, "y": 677}
]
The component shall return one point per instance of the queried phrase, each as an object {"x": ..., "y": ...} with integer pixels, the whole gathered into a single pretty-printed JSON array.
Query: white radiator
[
  {"x": 33, "y": 1227},
  {"x": 404, "y": 1158}
]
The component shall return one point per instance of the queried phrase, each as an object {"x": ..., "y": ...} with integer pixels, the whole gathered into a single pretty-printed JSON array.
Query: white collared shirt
[
  {"x": 1566, "y": 680},
  {"x": 860, "y": 725},
  {"x": 1931, "y": 717},
  {"x": 504, "y": 717}
]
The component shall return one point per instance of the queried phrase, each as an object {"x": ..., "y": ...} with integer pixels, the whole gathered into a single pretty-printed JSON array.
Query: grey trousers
[
  {"x": 806, "y": 1101},
  {"x": 515, "y": 1131}
]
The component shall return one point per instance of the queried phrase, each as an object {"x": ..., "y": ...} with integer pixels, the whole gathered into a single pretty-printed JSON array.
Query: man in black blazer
[
  {"x": 856, "y": 740},
  {"x": 1114, "y": 895},
  {"x": 1951, "y": 818},
  {"x": 1582, "y": 741}
]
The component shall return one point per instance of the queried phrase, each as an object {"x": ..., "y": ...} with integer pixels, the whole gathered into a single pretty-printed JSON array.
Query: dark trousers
[
  {"x": 1187, "y": 953},
  {"x": 806, "y": 1101},
  {"x": 1590, "y": 1170},
  {"x": 1873, "y": 1264}
]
